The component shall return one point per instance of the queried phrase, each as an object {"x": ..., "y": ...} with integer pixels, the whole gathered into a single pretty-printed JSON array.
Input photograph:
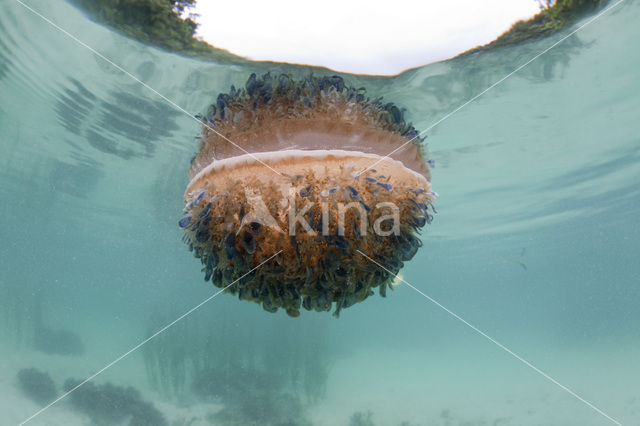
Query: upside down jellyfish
[{"x": 317, "y": 174}]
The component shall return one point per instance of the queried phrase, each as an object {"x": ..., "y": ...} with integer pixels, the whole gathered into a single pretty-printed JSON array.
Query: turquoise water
[{"x": 535, "y": 245}]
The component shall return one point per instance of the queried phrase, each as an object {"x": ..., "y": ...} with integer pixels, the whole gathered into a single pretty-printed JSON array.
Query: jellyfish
[{"x": 305, "y": 194}]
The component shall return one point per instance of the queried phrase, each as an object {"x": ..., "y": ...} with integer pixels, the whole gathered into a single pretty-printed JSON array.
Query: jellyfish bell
[{"x": 324, "y": 186}]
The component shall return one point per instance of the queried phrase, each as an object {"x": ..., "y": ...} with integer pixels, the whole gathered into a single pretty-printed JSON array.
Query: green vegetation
[
  {"x": 155, "y": 22},
  {"x": 554, "y": 17}
]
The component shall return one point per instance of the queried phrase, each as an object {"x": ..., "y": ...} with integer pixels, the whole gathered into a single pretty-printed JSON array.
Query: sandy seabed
[{"x": 447, "y": 387}]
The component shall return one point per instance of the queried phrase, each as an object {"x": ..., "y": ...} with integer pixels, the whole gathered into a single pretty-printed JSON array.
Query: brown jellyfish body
[{"x": 335, "y": 185}]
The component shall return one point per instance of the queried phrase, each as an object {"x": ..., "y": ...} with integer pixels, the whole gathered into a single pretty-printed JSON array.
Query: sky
[{"x": 356, "y": 36}]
